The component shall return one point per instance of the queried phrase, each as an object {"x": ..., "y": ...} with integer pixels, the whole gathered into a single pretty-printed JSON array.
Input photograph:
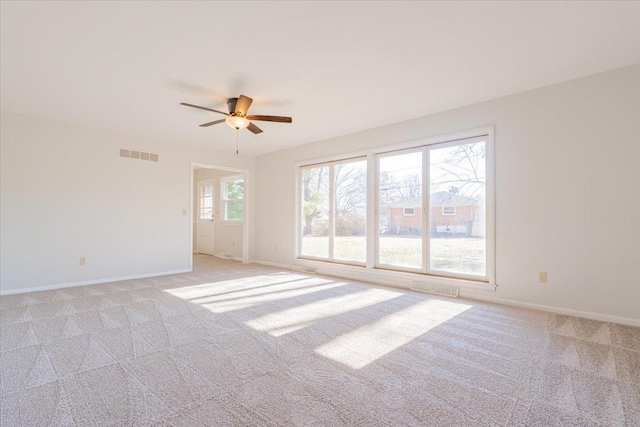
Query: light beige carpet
[{"x": 233, "y": 344}]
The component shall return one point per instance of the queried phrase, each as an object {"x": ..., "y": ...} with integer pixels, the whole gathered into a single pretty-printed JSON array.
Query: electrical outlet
[
  {"x": 233, "y": 244},
  {"x": 275, "y": 248},
  {"x": 542, "y": 277},
  {"x": 83, "y": 261}
]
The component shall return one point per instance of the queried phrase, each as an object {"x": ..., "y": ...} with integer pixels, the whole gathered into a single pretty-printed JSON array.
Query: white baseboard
[
  {"x": 558, "y": 310},
  {"x": 272, "y": 264},
  {"x": 90, "y": 282},
  {"x": 381, "y": 277}
]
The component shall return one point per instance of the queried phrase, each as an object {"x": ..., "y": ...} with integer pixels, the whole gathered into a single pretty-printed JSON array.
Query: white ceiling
[{"x": 336, "y": 68}]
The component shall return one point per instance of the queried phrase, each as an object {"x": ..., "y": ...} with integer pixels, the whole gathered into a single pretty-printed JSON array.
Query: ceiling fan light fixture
[{"x": 237, "y": 122}]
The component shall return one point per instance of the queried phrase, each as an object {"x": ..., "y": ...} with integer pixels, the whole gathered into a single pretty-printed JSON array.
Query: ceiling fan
[{"x": 237, "y": 116}]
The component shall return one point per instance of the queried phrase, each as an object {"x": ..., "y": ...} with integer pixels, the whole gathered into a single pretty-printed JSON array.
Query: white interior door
[{"x": 206, "y": 229}]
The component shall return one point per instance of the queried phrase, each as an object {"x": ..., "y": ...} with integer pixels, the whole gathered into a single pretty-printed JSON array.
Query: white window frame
[
  {"x": 331, "y": 164},
  {"x": 448, "y": 214},
  {"x": 404, "y": 212},
  {"x": 224, "y": 199},
  {"x": 371, "y": 269}
]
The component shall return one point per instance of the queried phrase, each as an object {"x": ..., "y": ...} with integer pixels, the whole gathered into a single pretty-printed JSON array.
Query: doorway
[
  {"x": 219, "y": 222},
  {"x": 205, "y": 217}
]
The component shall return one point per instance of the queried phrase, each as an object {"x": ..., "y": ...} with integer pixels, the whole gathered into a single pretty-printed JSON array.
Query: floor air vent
[
  {"x": 446, "y": 291},
  {"x": 138, "y": 155},
  {"x": 225, "y": 256}
]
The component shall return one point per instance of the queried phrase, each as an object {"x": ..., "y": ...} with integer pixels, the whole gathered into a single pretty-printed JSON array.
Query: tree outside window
[{"x": 232, "y": 198}]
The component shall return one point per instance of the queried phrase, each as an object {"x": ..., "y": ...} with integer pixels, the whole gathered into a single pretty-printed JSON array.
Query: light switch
[{"x": 184, "y": 212}]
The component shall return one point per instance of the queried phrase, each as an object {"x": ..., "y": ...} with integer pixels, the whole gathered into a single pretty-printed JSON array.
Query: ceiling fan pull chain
[{"x": 237, "y": 141}]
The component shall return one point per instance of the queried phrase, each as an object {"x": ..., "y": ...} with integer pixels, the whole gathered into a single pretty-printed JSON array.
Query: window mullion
[
  {"x": 372, "y": 230},
  {"x": 426, "y": 211},
  {"x": 332, "y": 208}
]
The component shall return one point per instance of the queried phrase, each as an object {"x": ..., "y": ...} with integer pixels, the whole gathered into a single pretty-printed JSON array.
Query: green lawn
[{"x": 458, "y": 254}]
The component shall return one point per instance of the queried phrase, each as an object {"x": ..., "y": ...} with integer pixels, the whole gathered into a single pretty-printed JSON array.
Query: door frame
[{"x": 245, "y": 207}]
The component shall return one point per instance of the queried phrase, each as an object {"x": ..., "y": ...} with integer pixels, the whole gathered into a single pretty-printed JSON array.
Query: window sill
[
  {"x": 227, "y": 222},
  {"x": 394, "y": 278}
]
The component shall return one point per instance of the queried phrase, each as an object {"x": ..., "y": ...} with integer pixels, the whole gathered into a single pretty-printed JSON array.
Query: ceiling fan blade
[
  {"x": 271, "y": 119},
  {"x": 253, "y": 128},
  {"x": 242, "y": 105},
  {"x": 204, "y": 125},
  {"x": 203, "y": 108}
]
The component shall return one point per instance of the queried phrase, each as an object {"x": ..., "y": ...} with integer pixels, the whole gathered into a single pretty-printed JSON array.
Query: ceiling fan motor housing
[{"x": 231, "y": 105}]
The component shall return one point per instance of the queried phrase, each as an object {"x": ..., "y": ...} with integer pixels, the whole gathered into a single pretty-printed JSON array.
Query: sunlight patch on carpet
[
  {"x": 293, "y": 319},
  {"x": 226, "y": 306},
  {"x": 369, "y": 343},
  {"x": 256, "y": 283},
  {"x": 218, "y": 299}
]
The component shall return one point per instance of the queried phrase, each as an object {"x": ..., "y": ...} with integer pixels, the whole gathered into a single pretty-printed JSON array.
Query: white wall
[
  {"x": 228, "y": 236},
  {"x": 66, "y": 194},
  {"x": 567, "y": 190}
]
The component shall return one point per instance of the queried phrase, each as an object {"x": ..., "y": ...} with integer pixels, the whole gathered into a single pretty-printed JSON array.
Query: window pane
[
  {"x": 400, "y": 190},
  {"x": 207, "y": 190},
  {"x": 206, "y": 202},
  {"x": 234, "y": 189},
  {"x": 457, "y": 229},
  {"x": 350, "y": 243},
  {"x": 206, "y": 213},
  {"x": 233, "y": 210},
  {"x": 315, "y": 212}
]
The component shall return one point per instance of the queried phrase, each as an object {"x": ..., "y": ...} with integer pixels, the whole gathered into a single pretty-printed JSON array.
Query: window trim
[
  {"x": 224, "y": 199},
  {"x": 444, "y": 140}
]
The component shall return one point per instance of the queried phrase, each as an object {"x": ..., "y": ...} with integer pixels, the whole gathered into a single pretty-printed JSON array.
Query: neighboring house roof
[{"x": 440, "y": 198}]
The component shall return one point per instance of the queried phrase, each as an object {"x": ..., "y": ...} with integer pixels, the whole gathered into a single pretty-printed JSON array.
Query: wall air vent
[
  {"x": 138, "y": 155},
  {"x": 306, "y": 269},
  {"x": 447, "y": 291}
]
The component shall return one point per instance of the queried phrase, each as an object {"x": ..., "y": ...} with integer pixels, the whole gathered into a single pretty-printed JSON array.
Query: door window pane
[
  {"x": 400, "y": 210},
  {"x": 457, "y": 209},
  {"x": 206, "y": 201},
  {"x": 206, "y": 213},
  {"x": 315, "y": 212},
  {"x": 350, "y": 201}
]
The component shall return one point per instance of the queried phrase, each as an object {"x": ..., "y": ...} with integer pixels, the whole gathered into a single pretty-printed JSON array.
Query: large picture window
[
  {"x": 457, "y": 226},
  {"x": 315, "y": 212},
  {"x": 400, "y": 189},
  {"x": 334, "y": 211},
  {"x": 428, "y": 203}
]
